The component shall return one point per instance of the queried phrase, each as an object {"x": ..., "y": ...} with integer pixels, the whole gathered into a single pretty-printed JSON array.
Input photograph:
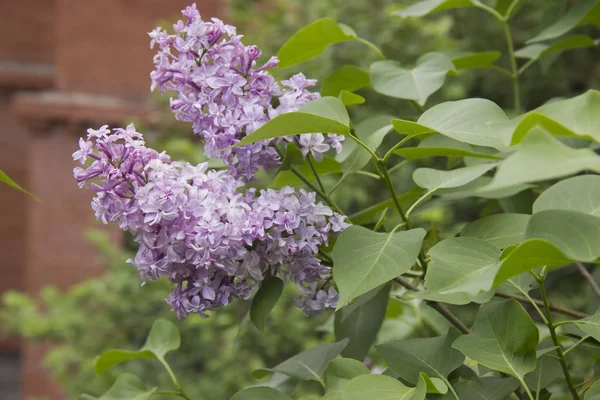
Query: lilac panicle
[
  {"x": 225, "y": 95},
  {"x": 197, "y": 229}
]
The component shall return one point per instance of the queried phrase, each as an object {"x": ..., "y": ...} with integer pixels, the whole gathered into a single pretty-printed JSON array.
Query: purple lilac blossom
[
  {"x": 225, "y": 95},
  {"x": 196, "y": 229}
]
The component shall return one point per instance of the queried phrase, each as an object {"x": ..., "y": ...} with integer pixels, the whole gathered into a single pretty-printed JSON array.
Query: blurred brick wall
[{"x": 64, "y": 65}]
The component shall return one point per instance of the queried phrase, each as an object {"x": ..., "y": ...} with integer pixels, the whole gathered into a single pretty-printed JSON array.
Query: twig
[
  {"x": 561, "y": 310},
  {"x": 588, "y": 277},
  {"x": 437, "y": 307}
]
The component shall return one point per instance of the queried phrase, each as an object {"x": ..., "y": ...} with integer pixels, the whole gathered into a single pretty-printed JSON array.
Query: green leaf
[
  {"x": 590, "y": 325},
  {"x": 426, "y": 7},
  {"x": 542, "y": 157},
  {"x": 410, "y": 128},
  {"x": 323, "y": 115},
  {"x": 484, "y": 59},
  {"x": 486, "y": 388},
  {"x": 501, "y": 230},
  {"x": 163, "y": 337},
  {"x": 340, "y": 371},
  {"x": 475, "y": 121},
  {"x": 308, "y": 365},
  {"x": 580, "y": 193},
  {"x": 576, "y": 116},
  {"x": 259, "y": 393},
  {"x": 391, "y": 79},
  {"x": 433, "y": 179},
  {"x": 382, "y": 387},
  {"x": 529, "y": 255},
  {"x": 368, "y": 214},
  {"x": 311, "y": 40},
  {"x": 434, "y": 385},
  {"x": 127, "y": 387},
  {"x": 583, "y": 13},
  {"x": 349, "y": 98},
  {"x": 360, "y": 322},
  {"x": 503, "y": 338},
  {"x": 538, "y": 50},
  {"x": 347, "y": 77},
  {"x": 433, "y": 356},
  {"x": 6, "y": 179},
  {"x": 441, "y": 146},
  {"x": 365, "y": 259},
  {"x": 264, "y": 300},
  {"x": 368, "y": 130},
  {"x": 574, "y": 233},
  {"x": 547, "y": 370},
  {"x": 460, "y": 271},
  {"x": 593, "y": 393}
]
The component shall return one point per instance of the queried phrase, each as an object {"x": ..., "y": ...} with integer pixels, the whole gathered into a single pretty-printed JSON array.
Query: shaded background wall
[{"x": 65, "y": 65}]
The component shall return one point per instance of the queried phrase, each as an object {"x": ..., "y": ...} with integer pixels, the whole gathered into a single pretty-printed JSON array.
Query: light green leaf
[
  {"x": 574, "y": 233},
  {"x": 542, "y": 157},
  {"x": 580, "y": 193},
  {"x": 432, "y": 356},
  {"x": 583, "y": 13},
  {"x": 259, "y": 393},
  {"x": 426, "y": 7},
  {"x": 476, "y": 60},
  {"x": 536, "y": 51},
  {"x": 391, "y": 79},
  {"x": 311, "y": 40},
  {"x": 529, "y": 255},
  {"x": 163, "y": 337},
  {"x": 576, "y": 116},
  {"x": 439, "y": 145},
  {"x": 6, "y": 179},
  {"x": 365, "y": 259},
  {"x": 340, "y": 371},
  {"x": 547, "y": 370},
  {"x": 323, "y": 115},
  {"x": 347, "y": 77},
  {"x": 433, "y": 179},
  {"x": 503, "y": 338},
  {"x": 434, "y": 385},
  {"x": 486, "y": 388},
  {"x": 127, "y": 387},
  {"x": 590, "y": 325},
  {"x": 475, "y": 121},
  {"x": 308, "y": 365},
  {"x": 360, "y": 322},
  {"x": 382, "y": 387},
  {"x": 264, "y": 300},
  {"x": 350, "y": 99},
  {"x": 501, "y": 230},
  {"x": 593, "y": 393},
  {"x": 460, "y": 271}
]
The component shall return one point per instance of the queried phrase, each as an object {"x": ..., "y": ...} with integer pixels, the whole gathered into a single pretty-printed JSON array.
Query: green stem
[
  {"x": 510, "y": 9},
  {"x": 367, "y": 173},
  {"x": 526, "y": 65},
  {"x": 173, "y": 378},
  {"x": 372, "y": 46},
  {"x": 398, "y": 166},
  {"x": 488, "y": 9},
  {"x": 513, "y": 64},
  {"x": 583, "y": 339},
  {"x": 314, "y": 170},
  {"x": 315, "y": 189},
  {"x": 552, "y": 328},
  {"x": 451, "y": 389},
  {"x": 168, "y": 393},
  {"x": 395, "y": 147},
  {"x": 386, "y": 177},
  {"x": 418, "y": 106}
]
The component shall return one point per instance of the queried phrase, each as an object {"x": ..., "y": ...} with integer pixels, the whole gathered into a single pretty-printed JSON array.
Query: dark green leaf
[
  {"x": 259, "y": 393},
  {"x": 264, "y": 300},
  {"x": 433, "y": 356},
  {"x": 590, "y": 325},
  {"x": 347, "y": 77},
  {"x": 365, "y": 259},
  {"x": 547, "y": 370},
  {"x": 476, "y": 60},
  {"x": 583, "y": 13},
  {"x": 360, "y": 322},
  {"x": 504, "y": 338}
]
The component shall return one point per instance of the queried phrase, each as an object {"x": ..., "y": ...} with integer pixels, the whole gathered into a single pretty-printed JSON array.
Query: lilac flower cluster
[
  {"x": 195, "y": 228},
  {"x": 225, "y": 96}
]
